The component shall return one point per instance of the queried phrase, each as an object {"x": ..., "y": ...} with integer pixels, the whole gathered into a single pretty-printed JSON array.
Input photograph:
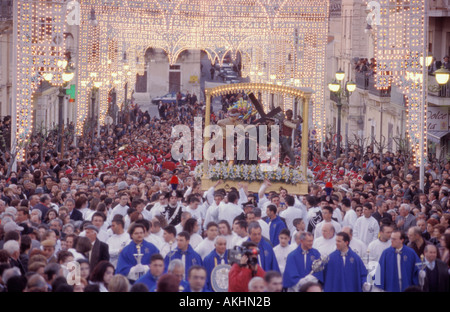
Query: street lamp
[
  {"x": 336, "y": 88},
  {"x": 67, "y": 76},
  {"x": 340, "y": 75},
  {"x": 442, "y": 76}
]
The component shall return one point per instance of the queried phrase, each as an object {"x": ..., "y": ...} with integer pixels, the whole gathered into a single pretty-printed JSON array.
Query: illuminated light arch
[
  {"x": 217, "y": 28},
  {"x": 173, "y": 26},
  {"x": 399, "y": 45}
]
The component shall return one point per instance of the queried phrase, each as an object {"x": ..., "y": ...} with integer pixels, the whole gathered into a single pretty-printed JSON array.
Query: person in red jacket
[
  {"x": 241, "y": 273},
  {"x": 174, "y": 180}
]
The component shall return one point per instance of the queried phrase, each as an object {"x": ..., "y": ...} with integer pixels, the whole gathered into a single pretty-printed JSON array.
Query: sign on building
[{"x": 438, "y": 118}]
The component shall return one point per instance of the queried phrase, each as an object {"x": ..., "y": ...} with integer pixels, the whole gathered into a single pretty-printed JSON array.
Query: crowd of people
[{"x": 114, "y": 212}]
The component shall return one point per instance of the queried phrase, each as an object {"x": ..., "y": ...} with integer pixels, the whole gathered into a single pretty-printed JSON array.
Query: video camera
[{"x": 235, "y": 255}]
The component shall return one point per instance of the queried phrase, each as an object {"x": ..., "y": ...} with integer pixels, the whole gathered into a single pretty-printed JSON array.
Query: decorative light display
[
  {"x": 39, "y": 48},
  {"x": 280, "y": 42},
  {"x": 399, "y": 52}
]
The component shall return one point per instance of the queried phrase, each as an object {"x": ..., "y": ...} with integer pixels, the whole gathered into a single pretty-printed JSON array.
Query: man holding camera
[{"x": 241, "y": 273}]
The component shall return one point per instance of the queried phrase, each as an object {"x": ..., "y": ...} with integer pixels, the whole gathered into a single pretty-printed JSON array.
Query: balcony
[
  {"x": 438, "y": 7},
  {"x": 6, "y": 10},
  {"x": 367, "y": 82}
]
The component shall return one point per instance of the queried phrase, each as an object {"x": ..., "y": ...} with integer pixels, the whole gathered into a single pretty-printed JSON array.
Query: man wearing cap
[
  {"x": 172, "y": 212},
  {"x": 100, "y": 250},
  {"x": 12, "y": 226}
]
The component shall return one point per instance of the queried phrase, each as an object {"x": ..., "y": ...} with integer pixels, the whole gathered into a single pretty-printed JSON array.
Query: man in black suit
[
  {"x": 75, "y": 214},
  {"x": 100, "y": 250},
  {"x": 163, "y": 189},
  {"x": 13, "y": 249},
  {"x": 437, "y": 276}
]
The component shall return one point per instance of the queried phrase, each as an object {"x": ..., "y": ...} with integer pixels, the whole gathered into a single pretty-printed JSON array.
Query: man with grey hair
[
  {"x": 68, "y": 229},
  {"x": 257, "y": 284},
  {"x": 36, "y": 283},
  {"x": 176, "y": 267},
  {"x": 299, "y": 262},
  {"x": 12, "y": 247},
  {"x": 56, "y": 224},
  {"x": 405, "y": 219},
  {"x": 216, "y": 257},
  {"x": 36, "y": 216}
]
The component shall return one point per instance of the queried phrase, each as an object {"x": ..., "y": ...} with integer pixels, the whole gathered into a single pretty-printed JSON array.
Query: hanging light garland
[
  {"x": 399, "y": 41},
  {"x": 285, "y": 38},
  {"x": 39, "y": 56},
  {"x": 262, "y": 31}
]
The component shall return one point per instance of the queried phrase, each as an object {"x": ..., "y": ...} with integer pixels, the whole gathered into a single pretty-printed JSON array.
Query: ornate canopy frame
[{"x": 302, "y": 94}]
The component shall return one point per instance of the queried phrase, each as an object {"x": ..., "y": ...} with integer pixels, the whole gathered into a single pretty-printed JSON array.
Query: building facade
[{"x": 379, "y": 117}]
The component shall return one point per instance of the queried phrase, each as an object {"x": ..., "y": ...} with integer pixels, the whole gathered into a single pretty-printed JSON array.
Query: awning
[{"x": 435, "y": 136}]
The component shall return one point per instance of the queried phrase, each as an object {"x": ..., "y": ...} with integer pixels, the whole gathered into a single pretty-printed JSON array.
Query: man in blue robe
[
  {"x": 197, "y": 279},
  {"x": 156, "y": 270},
  {"x": 345, "y": 271},
  {"x": 266, "y": 256},
  {"x": 184, "y": 252},
  {"x": 275, "y": 224},
  {"x": 126, "y": 257},
  {"x": 218, "y": 256},
  {"x": 299, "y": 262},
  {"x": 398, "y": 267}
]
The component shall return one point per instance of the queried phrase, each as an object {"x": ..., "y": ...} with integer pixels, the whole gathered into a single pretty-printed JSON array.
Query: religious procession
[{"x": 232, "y": 182}]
